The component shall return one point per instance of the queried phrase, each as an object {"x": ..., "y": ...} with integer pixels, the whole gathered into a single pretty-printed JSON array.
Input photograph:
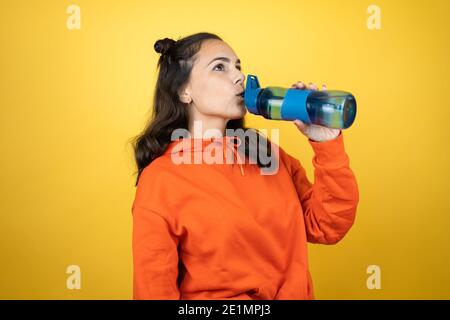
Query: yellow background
[{"x": 72, "y": 99}]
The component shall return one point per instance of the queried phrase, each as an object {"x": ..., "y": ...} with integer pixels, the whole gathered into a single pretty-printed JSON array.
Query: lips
[{"x": 241, "y": 94}]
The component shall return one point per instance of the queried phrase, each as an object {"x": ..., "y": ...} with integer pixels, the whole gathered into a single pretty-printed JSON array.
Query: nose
[{"x": 240, "y": 79}]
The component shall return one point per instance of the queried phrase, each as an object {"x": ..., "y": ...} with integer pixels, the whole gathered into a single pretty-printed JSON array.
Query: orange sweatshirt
[{"x": 226, "y": 231}]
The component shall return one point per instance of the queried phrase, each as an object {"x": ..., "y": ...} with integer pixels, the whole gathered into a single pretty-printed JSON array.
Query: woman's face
[{"x": 214, "y": 83}]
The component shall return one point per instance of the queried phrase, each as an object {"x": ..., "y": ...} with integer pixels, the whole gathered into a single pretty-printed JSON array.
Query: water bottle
[{"x": 328, "y": 108}]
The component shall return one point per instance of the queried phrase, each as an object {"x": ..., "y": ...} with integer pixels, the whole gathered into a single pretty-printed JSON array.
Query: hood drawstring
[{"x": 230, "y": 144}]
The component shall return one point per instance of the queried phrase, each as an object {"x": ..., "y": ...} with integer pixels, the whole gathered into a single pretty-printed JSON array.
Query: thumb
[{"x": 300, "y": 125}]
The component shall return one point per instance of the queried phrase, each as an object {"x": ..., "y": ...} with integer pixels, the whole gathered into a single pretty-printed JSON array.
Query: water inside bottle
[
  {"x": 333, "y": 109},
  {"x": 270, "y": 102}
]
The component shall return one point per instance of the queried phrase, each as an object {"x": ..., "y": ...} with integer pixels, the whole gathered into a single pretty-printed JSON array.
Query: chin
[
  {"x": 240, "y": 112},
  {"x": 236, "y": 116},
  {"x": 234, "y": 112}
]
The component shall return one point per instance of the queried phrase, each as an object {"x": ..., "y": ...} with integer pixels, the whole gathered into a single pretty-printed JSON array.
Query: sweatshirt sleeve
[
  {"x": 329, "y": 205},
  {"x": 155, "y": 254}
]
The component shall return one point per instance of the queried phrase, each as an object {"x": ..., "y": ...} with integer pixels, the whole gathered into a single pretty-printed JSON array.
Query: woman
[{"x": 222, "y": 231}]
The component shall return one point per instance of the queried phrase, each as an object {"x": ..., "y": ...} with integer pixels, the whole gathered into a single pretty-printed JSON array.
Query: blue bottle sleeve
[{"x": 294, "y": 105}]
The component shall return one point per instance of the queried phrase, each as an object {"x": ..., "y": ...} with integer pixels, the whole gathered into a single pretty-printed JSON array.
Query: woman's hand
[{"x": 312, "y": 131}]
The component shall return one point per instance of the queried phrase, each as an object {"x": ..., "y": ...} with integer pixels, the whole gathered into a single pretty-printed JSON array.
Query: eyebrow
[{"x": 238, "y": 61}]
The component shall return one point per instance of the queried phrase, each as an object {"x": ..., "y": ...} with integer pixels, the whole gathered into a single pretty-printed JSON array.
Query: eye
[{"x": 220, "y": 64}]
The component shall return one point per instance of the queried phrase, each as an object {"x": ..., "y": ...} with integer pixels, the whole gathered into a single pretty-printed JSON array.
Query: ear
[{"x": 185, "y": 96}]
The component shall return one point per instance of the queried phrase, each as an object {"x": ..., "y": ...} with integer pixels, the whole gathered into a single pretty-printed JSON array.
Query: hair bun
[{"x": 163, "y": 45}]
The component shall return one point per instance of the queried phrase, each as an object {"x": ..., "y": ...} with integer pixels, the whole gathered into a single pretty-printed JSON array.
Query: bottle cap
[{"x": 252, "y": 91}]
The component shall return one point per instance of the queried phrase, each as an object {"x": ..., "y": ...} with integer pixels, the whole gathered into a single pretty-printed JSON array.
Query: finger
[
  {"x": 300, "y": 125},
  {"x": 299, "y": 85},
  {"x": 312, "y": 86}
]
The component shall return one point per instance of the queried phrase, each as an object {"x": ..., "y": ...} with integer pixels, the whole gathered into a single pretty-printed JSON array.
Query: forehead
[{"x": 211, "y": 49}]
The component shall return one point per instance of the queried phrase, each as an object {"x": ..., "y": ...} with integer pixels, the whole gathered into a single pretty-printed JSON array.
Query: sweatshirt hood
[{"x": 228, "y": 145}]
